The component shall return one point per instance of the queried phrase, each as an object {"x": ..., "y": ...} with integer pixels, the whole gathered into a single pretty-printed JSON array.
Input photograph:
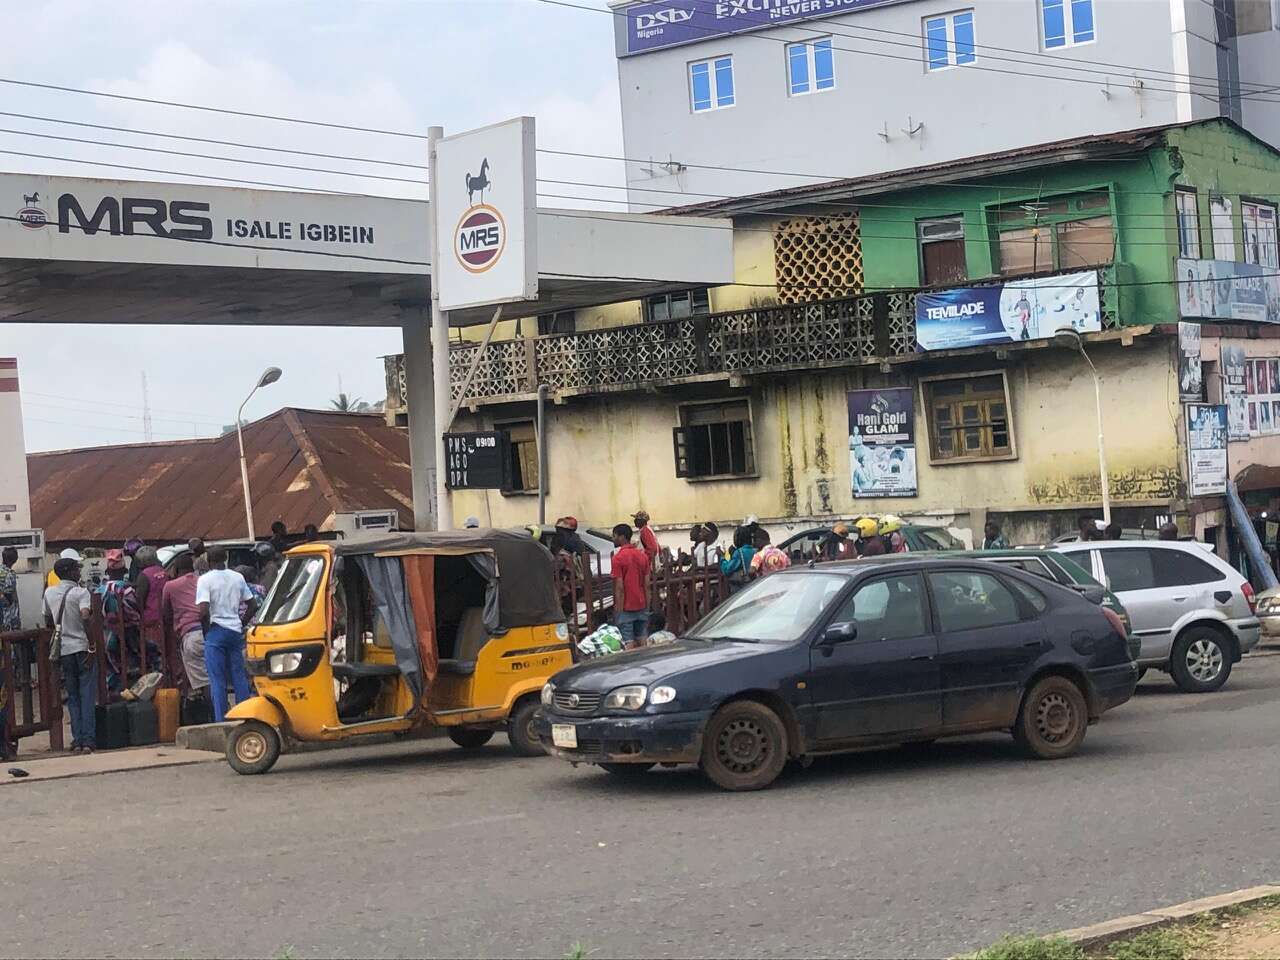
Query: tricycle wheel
[
  {"x": 524, "y": 741},
  {"x": 253, "y": 747},
  {"x": 627, "y": 771},
  {"x": 470, "y": 738}
]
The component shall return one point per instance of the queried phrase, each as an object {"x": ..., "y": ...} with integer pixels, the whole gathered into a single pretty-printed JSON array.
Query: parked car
[
  {"x": 803, "y": 546},
  {"x": 1194, "y": 613},
  {"x": 1129, "y": 533},
  {"x": 1058, "y": 567},
  {"x": 848, "y": 655},
  {"x": 601, "y": 547},
  {"x": 239, "y": 553}
]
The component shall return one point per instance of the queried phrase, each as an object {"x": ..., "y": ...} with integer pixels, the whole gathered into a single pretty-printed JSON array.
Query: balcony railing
[{"x": 867, "y": 329}]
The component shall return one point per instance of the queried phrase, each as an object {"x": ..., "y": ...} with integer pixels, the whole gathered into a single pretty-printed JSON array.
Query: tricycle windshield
[
  {"x": 776, "y": 609},
  {"x": 294, "y": 591}
]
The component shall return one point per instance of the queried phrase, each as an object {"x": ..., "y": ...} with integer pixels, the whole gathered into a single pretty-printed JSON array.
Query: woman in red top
[{"x": 648, "y": 541}]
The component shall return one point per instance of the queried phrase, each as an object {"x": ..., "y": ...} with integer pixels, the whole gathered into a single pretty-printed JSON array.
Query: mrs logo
[
  {"x": 29, "y": 215},
  {"x": 481, "y": 234}
]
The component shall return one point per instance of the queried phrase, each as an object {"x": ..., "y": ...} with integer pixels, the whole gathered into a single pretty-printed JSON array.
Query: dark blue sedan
[{"x": 811, "y": 661}]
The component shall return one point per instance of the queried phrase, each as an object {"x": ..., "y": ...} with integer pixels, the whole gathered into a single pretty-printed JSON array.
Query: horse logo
[
  {"x": 31, "y": 199},
  {"x": 478, "y": 183},
  {"x": 31, "y": 216}
]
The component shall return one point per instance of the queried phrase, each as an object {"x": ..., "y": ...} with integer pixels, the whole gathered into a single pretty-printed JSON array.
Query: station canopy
[{"x": 81, "y": 250}]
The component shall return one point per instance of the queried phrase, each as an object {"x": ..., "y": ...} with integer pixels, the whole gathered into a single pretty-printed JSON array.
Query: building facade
[
  {"x": 771, "y": 396},
  {"x": 735, "y": 97}
]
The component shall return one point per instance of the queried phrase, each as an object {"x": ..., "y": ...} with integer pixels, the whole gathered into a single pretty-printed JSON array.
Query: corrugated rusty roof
[{"x": 304, "y": 466}]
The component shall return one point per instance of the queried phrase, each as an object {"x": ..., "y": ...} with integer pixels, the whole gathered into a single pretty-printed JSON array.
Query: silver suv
[{"x": 1193, "y": 612}]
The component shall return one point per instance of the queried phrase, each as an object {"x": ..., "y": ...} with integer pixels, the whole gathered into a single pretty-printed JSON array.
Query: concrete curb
[{"x": 1108, "y": 931}]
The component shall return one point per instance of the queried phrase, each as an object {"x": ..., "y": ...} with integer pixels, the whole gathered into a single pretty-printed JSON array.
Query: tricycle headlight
[
  {"x": 548, "y": 694},
  {"x": 661, "y": 695},
  {"x": 626, "y": 698},
  {"x": 284, "y": 662}
]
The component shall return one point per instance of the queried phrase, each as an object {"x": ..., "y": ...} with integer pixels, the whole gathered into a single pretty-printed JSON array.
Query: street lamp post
[
  {"x": 1068, "y": 337},
  {"x": 269, "y": 375}
]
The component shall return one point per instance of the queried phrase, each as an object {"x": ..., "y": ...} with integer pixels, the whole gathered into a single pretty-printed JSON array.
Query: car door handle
[
  {"x": 1179, "y": 599},
  {"x": 923, "y": 656},
  {"x": 1033, "y": 644}
]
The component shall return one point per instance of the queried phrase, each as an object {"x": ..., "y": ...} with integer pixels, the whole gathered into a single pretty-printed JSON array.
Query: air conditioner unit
[
  {"x": 28, "y": 543},
  {"x": 366, "y": 522}
]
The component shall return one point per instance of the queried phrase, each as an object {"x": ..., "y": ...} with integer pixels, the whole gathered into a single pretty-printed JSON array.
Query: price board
[{"x": 476, "y": 461}]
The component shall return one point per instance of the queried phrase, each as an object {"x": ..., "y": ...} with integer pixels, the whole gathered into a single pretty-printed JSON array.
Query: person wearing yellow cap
[
  {"x": 891, "y": 533},
  {"x": 869, "y": 542}
]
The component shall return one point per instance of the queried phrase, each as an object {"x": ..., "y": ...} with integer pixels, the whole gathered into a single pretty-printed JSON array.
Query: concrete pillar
[
  {"x": 420, "y": 395},
  {"x": 439, "y": 342}
]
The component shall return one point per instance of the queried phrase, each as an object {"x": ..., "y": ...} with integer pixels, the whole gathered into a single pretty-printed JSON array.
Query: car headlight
[
  {"x": 284, "y": 662},
  {"x": 661, "y": 695},
  {"x": 1269, "y": 605},
  {"x": 626, "y": 698},
  {"x": 548, "y": 694}
]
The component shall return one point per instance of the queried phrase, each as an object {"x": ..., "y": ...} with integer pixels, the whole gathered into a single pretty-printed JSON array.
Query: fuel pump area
[{"x": 79, "y": 250}]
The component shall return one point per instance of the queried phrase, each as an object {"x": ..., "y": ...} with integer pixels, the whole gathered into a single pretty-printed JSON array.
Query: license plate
[{"x": 564, "y": 735}]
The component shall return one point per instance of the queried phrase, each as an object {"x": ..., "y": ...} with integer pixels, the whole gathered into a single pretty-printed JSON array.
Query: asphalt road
[{"x": 418, "y": 849}]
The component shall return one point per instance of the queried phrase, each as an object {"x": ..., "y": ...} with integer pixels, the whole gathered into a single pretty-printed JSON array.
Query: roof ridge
[{"x": 315, "y": 465}]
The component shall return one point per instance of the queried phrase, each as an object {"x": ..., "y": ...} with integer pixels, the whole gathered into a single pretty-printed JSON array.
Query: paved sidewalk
[{"x": 61, "y": 766}]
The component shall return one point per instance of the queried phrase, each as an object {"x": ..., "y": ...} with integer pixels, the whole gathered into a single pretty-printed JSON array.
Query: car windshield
[
  {"x": 938, "y": 539},
  {"x": 294, "y": 591},
  {"x": 777, "y": 609}
]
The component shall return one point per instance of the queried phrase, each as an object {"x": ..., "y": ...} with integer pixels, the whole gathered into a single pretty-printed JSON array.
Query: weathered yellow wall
[{"x": 609, "y": 456}]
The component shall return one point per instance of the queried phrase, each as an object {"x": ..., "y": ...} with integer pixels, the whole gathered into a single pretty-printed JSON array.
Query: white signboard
[
  {"x": 1206, "y": 448},
  {"x": 118, "y": 221},
  {"x": 486, "y": 216}
]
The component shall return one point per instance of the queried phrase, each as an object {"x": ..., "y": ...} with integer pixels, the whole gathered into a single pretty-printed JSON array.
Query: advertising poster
[
  {"x": 1234, "y": 366},
  {"x": 1190, "y": 376},
  {"x": 882, "y": 446},
  {"x": 1206, "y": 448},
  {"x": 1226, "y": 290},
  {"x": 1009, "y": 312}
]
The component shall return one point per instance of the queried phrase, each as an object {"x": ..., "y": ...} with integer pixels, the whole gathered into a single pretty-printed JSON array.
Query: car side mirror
[
  {"x": 841, "y": 632},
  {"x": 1092, "y": 592}
]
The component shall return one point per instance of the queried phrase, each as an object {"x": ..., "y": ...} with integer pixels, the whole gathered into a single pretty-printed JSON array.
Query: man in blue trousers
[{"x": 219, "y": 594}]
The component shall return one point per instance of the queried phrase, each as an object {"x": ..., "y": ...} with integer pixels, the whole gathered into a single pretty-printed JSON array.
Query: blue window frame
[
  {"x": 711, "y": 84},
  {"x": 949, "y": 40},
  {"x": 810, "y": 66},
  {"x": 1066, "y": 23}
]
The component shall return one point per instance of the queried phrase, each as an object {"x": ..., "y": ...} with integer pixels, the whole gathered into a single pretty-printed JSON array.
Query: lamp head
[
  {"x": 269, "y": 375},
  {"x": 1067, "y": 337}
]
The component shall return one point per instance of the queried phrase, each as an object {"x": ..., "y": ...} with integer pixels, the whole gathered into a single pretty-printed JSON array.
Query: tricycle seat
[
  {"x": 458, "y": 668},
  {"x": 358, "y": 671}
]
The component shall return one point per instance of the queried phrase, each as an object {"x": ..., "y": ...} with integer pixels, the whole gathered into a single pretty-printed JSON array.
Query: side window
[
  {"x": 891, "y": 608},
  {"x": 1029, "y": 565},
  {"x": 1039, "y": 603},
  {"x": 1128, "y": 568},
  {"x": 968, "y": 600},
  {"x": 1173, "y": 568}
]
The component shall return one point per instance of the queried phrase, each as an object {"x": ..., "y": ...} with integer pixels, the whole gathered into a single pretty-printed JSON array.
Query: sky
[{"x": 391, "y": 64}]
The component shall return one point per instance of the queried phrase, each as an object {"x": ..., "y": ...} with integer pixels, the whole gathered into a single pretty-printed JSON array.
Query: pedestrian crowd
[{"x": 197, "y": 610}]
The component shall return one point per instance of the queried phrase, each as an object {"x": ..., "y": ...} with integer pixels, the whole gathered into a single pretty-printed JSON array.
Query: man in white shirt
[
  {"x": 67, "y": 605},
  {"x": 219, "y": 594}
]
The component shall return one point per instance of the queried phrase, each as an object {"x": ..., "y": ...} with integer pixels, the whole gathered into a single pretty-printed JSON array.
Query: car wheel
[
  {"x": 253, "y": 747},
  {"x": 1053, "y": 719},
  {"x": 627, "y": 771},
  {"x": 1201, "y": 660},
  {"x": 744, "y": 747},
  {"x": 470, "y": 738},
  {"x": 524, "y": 741}
]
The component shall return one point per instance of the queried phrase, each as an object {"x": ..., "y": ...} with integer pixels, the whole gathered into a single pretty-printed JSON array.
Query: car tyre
[
  {"x": 524, "y": 740},
  {"x": 470, "y": 738},
  {"x": 253, "y": 747},
  {"x": 627, "y": 771},
  {"x": 1200, "y": 661},
  {"x": 744, "y": 746},
  {"x": 1053, "y": 719}
]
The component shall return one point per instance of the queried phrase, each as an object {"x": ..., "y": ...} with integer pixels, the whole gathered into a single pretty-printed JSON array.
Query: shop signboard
[
  {"x": 1226, "y": 290},
  {"x": 882, "y": 446},
  {"x": 1008, "y": 312},
  {"x": 476, "y": 461},
  {"x": 670, "y": 23},
  {"x": 1206, "y": 448},
  {"x": 486, "y": 221},
  {"x": 1190, "y": 374},
  {"x": 1234, "y": 364}
]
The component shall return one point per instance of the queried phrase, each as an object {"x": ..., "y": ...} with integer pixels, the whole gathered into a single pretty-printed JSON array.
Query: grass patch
[
  {"x": 578, "y": 951},
  {"x": 1165, "y": 943},
  {"x": 1031, "y": 948}
]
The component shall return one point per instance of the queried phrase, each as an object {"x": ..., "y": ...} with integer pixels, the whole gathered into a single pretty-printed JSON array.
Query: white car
[{"x": 1194, "y": 613}]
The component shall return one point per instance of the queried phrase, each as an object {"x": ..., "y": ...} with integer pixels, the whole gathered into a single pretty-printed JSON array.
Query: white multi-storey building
[{"x": 844, "y": 88}]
